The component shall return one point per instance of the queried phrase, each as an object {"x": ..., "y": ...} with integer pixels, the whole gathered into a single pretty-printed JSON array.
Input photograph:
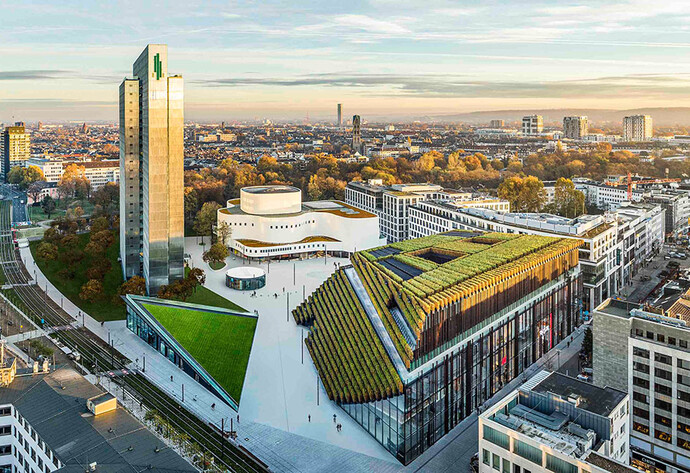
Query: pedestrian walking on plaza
[
  {"x": 309, "y": 417},
  {"x": 238, "y": 418},
  {"x": 171, "y": 378},
  {"x": 213, "y": 406},
  {"x": 334, "y": 416}
]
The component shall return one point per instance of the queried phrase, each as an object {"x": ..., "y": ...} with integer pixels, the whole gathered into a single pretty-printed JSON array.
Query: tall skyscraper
[
  {"x": 497, "y": 123},
  {"x": 340, "y": 115},
  {"x": 16, "y": 147},
  {"x": 575, "y": 128},
  {"x": 356, "y": 135},
  {"x": 637, "y": 128},
  {"x": 532, "y": 124},
  {"x": 151, "y": 171}
]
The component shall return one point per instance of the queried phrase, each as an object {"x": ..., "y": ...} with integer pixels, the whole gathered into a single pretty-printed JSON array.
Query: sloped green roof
[{"x": 219, "y": 341}]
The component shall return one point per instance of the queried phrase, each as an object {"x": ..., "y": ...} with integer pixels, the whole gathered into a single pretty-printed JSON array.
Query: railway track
[{"x": 97, "y": 355}]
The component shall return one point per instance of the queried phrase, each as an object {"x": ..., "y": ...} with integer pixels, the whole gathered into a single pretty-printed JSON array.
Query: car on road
[{"x": 74, "y": 356}]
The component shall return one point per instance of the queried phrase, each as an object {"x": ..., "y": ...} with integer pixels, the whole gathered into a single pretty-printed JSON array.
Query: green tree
[
  {"x": 588, "y": 344},
  {"x": 216, "y": 254},
  {"x": 99, "y": 268},
  {"x": 47, "y": 251},
  {"x": 99, "y": 224},
  {"x": 91, "y": 291},
  {"x": 16, "y": 175},
  {"x": 48, "y": 205},
  {"x": 568, "y": 201},
  {"x": 532, "y": 196},
  {"x": 135, "y": 285},
  {"x": 205, "y": 218},
  {"x": 103, "y": 238}
]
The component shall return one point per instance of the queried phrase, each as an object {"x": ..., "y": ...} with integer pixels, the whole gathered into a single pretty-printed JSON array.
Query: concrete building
[
  {"x": 273, "y": 222},
  {"x": 556, "y": 424},
  {"x": 391, "y": 203},
  {"x": 641, "y": 235},
  {"x": 646, "y": 354},
  {"x": 340, "y": 115},
  {"x": 16, "y": 147},
  {"x": 356, "y": 134},
  {"x": 430, "y": 217},
  {"x": 677, "y": 206},
  {"x": 575, "y": 128},
  {"x": 98, "y": 173},
  {"x": 497, "y": 123},
  {"x": 604, "y": 196},
  {"x": 637, "y": 128},
  {"x": 532, "y": 125},
  {"x": 151, "y": 171}
]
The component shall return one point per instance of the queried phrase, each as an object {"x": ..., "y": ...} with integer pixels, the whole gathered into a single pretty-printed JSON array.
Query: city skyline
[{"x": 247, "y": 61}]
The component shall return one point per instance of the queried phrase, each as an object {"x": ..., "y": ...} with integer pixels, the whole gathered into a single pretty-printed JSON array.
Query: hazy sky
[{"x": 284, "y": 59}]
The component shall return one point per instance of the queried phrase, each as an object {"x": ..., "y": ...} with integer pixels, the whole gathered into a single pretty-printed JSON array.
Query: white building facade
[{"x": 273, "y": 222}]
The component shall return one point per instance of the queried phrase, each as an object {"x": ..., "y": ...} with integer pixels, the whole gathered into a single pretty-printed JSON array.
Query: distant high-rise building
[
  {"x": 40, "y": 126},
  {"x": 532, "y": 124},
  {"x": 151, "y": 171},
  {"x": 497, "y": 123},
  {"x": 340, "y": 115},
  {"x": 637, "y": 128},
  {"x": 222, "y": 125},
  {"x": 16, "y": 147},
  {"x": 575, "y": 128},
  {"x": 84, "y": 128},
  {"x": 356, "y": 134}
]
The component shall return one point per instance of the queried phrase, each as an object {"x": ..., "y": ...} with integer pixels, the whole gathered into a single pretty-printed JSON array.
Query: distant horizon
[{"x": 379, "y": 58}]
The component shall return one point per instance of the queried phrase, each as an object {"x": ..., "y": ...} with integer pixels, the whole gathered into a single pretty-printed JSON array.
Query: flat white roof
[{"x": 245, "y": 272}]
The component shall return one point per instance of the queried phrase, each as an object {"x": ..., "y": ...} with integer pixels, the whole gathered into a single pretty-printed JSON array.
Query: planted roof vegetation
[
  {"x": 220, "y": 342},
  {"x": 413, "y": 278}
]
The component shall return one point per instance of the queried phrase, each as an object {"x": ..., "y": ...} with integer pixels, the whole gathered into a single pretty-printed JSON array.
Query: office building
[
  {"x": 391, "y": 203},
  {"x": 556, "y": 424},
  {"x": 677, "y": 207},
  {"x": 356, "y": 134},
  {"x": 98, "y": 173},
  {"x": 575, "y": 128},
  {"x": 497, "y": 123},
  {"x": 441, "y": 324},
  {"x": 16, "y": 147},
  {"x": 151, "y": 171},
  {"x": 269, "y": 222},
  {"x": 340, "y": 115},
  {"x": 646, "y": 354},
  {"x": 637, "y": 128},
  {"x": 532, "y": 125}
]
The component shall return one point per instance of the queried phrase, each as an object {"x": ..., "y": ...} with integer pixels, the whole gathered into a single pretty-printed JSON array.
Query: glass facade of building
[
  {"x": 460, "y": 381},
  {"x": 245, "y": 284}
]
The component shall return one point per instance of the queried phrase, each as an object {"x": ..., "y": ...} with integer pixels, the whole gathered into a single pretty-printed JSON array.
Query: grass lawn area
[
  {"x": 204, "y": 296},
  {"x": 221, "y": 343},
  {"x": 217, "y": 266},
  {"x": 105, "y": 309},
  {"x": 36, "y": 214}
]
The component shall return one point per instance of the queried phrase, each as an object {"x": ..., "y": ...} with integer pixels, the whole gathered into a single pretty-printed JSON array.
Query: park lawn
[
  {"x": 105, "y": 309},
  {"x": 217, "y": 266},
  {"x": 36, "y": 214},
  {"x": 221, "y": 343}
]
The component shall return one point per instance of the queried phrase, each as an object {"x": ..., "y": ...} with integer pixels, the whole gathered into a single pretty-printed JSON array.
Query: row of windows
[{"x": 659, "y": 338}]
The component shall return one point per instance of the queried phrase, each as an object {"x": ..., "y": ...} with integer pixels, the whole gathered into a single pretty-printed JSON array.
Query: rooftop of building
[
  {"x": 406, "y": 281},
  {"x": 601, "y": 401},
  {"x": 271, "y": 189},
  {"x": 609, "y": 465},
  {"x": 55, "y": 406},
  {"x": 335, "y": 207}
]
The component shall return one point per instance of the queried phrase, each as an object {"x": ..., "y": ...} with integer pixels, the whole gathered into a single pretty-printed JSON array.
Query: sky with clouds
[{"x": 380, "y": 58}]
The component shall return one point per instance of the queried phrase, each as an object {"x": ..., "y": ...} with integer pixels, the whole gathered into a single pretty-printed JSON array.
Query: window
[
  {"x": 662, "y": 420},
  {"x": 516, "y": 468},
  {"x": 642, "y": 383},
  {"x": 527, "y": 452},
  {"x": 683, "y": 343},
  {"x": 640, "y": 352},
  {"x": 557, "y": 465},
  {"x": 685, "y": 364},
  {"x": 661, "y": 389},
  {"x": 660, "y": 338},
  {"x": 683, "y": 396},
  {"x": 660, "y": 358},
  {"x": 486, "y": 457},
  {"x": 641, "y": 367},
  {"x": 639, "y": 397},
  {"x": 506, "y": 466},
  {"x": 659, "y": 404},
  {"x": 650, "y": 335},
  {"x": 497, "y": 438},
  {"x": 671, "y": 340},
  {"x": 663, "y": 374},
  {"x": 496, "y": 463},
  {"x": 639, "y": 412}
]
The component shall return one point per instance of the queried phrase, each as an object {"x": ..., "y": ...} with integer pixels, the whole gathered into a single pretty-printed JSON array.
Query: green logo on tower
[{"x": 157, "y": 66}]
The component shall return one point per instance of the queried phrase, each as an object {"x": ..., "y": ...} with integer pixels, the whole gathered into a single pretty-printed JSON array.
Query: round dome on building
[
  {"x": 245, "y": 278},
  {"x": 270, "y": 200}
]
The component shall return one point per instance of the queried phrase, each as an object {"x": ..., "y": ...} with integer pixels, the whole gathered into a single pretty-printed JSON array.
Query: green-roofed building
[
  {"x": 210, "y": 344},
  {"x": 412, "y": 337}
]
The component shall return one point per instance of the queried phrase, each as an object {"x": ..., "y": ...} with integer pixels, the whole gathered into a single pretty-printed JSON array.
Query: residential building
[
  {"x": 441, "y": 324},
  {"x": 269, "y": 222},
  {"x": 16, "y": 147},
  {"x": 605, "y": 196},
  {"x": 677, "y": 206},
  {"x": 391, "y": 203},
  {"x": 497, "y": 123},
  {"x": 646, "y": 354},
  {"x": 151, "y": 171},
  {"x": 555, "y": 423},
  {"x": 637, "y": 128},
  {"x": 575, "y": 128},
  {"x": 340, "y": 115},
  {"x": 532, "y": 125},
  {"x": 641, "y": 235},
  {"x": 356, "y": 134}
]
